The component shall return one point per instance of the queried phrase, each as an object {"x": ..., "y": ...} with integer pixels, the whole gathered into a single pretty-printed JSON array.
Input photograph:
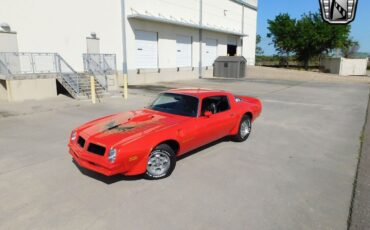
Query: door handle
[{"x": 232, "y": 115}]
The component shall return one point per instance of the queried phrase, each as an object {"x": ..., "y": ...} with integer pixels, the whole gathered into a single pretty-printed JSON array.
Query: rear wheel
[
  {"x": 245, "y": 128},
  {"x": 161, "y": 162}
]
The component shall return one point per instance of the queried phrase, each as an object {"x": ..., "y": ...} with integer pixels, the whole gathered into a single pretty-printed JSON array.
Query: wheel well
[
  {"x": 175, "y": 146},
  {"x": 249, "y": 114}
]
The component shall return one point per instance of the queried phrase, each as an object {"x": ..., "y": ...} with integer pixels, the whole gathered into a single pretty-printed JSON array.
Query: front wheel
[
  {"x": 161, "y": 162},
  {"x": 245, "y": 128}
]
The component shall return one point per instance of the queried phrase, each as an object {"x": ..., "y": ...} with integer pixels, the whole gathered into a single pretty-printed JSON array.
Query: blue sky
[{"x": 268, "y": 9}]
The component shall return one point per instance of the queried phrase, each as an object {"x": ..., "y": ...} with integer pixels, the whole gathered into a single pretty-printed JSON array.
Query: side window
[{"x": 215, "y": 104}]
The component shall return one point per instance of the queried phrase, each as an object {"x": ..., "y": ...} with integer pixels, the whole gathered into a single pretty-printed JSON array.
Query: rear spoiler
[{"x": 251, "y": 100}]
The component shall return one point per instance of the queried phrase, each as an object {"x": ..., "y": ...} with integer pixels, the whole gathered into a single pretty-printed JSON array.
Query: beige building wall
[
  {"x": 62, "y": 26},
  {"x": 225, "y": 15},
  {"x": 167, "y": 68},
  {"x": 249, "y": 41},
  {"x": 228, "y": 16},
  {"x": 166, "y": 42},
  {"x": 150, "y": 76}
]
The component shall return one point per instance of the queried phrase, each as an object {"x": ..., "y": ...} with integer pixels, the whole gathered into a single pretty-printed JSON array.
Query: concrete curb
[{"x": 359, "y": 213}]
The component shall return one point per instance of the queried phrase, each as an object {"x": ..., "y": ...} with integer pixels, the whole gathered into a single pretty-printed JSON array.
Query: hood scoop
[{"x": 145, "y": 117}]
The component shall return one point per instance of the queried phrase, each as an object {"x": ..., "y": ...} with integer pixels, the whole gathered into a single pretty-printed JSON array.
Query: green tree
[
  {"x": 316, "y": 37},
  {"x": 259, "y": 51},
  {"x": 282, "y": 32},
  {"x": 308, "y": 38},
  {"x": 350, "y": 48}
]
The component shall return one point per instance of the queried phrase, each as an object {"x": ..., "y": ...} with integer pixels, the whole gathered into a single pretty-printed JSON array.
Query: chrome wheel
[
  {"x": 245, "y": 128},
  {"x": 158, "y": 163}
]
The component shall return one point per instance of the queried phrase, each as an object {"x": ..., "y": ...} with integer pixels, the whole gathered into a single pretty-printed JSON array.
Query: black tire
[
  {"x": 240, "y": 136},
  {"x": 168, "y": 155}
]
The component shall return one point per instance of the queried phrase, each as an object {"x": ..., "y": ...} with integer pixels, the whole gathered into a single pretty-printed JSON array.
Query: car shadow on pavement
[
  {"x": 116, "y": 178},
  {"x": 188, "y": 154},
  {"x": 106, "y": 179},
  {"x": 151, "y": 88}
]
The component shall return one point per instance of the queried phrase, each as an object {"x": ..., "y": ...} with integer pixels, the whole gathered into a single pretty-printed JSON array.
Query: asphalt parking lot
[{"x": 295, "y": 171}]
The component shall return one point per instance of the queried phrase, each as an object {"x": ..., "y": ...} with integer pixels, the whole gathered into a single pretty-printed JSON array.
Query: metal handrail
[
  {"x": 4, "y": 67},
  {"x": 15, "y": 62},
  {"x": 96, "y": 64},
  {"x": 96, "y": 72},
  {"x": 26, "y": 63},
  {"x": 66, "y": 76},
  {"x": 104, "y": 67}
]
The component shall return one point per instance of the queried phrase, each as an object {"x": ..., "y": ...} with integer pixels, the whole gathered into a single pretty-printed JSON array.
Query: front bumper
[{"x": 80, "y": 156}]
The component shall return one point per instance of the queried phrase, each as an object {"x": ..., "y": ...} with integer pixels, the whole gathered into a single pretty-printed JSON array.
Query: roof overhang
[
  {"x": 178, "y": 22},
  {"x": 244, "y": 3}
]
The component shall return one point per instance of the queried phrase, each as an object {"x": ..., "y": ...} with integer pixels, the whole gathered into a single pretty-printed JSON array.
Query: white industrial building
[{"x": 154, "y": 40}]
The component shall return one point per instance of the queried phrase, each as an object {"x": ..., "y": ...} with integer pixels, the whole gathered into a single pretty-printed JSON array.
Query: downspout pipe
[
  {"x": 124, "y": 37},
  {"x": 200, "y": 38}
]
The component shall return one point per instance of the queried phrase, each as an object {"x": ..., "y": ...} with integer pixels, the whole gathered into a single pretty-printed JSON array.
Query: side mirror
[{"x": 208, "y": 114}]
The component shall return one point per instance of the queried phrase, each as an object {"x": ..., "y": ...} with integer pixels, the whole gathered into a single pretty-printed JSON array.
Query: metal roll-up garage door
[
  {"x": 210, "y": 54},
  {"x": 183, "y": 51},
  {"x": 146, "y": 49}
]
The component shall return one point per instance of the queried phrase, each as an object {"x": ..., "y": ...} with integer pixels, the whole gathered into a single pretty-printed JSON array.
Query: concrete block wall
[
  {"x": 27, "y": 89},
  {"x": 331, "y": 65},
  {"x": 353, "y": 67},
  {"x": 345, "y": 66}
]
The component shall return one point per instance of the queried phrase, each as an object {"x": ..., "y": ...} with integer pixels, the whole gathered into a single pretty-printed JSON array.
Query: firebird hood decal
[
  {"x": 127, "y": 126},
  {"x": 118, "y": 127},
  {"x": 132, "y": 123}
]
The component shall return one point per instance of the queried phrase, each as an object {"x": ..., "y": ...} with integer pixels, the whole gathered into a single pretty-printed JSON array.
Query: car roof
[{"x": 197, "y": 92}]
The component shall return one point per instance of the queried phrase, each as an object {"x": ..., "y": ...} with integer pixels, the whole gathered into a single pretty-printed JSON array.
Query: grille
[
  {"x": 96, "y": 149},
  {"x": 81, "y": 142}
]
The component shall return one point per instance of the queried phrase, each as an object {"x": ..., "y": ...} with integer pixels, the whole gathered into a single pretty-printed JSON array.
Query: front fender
[{"x": 138, "y": 161}]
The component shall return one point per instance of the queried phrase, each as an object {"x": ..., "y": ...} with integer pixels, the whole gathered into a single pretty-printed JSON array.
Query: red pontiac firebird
[{"x": 147, "y": 141}]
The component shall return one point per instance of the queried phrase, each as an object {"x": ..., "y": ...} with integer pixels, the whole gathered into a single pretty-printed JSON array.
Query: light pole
[{"x": 200, "y": 38}]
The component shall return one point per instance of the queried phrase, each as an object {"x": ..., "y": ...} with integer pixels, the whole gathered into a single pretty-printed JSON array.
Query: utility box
[{"x": 229, "y": 67}]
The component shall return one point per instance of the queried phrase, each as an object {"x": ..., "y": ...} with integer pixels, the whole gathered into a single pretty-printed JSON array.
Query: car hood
[{"x": 128, "y": 126}]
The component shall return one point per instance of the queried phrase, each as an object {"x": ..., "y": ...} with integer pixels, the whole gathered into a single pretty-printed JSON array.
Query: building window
[{"x": 231, "y": 50}]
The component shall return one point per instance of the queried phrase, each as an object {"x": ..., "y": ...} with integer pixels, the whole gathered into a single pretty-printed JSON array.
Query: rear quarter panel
[
  {"x": 245, "y": 105},
  {"x": 250, "y": 104}
]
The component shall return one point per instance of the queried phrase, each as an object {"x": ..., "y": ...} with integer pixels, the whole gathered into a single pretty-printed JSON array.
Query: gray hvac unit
[{"x": 229, "y": 67}]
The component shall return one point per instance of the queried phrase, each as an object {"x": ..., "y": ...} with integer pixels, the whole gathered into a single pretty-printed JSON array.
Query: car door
[{"x": 219, "y": 123}]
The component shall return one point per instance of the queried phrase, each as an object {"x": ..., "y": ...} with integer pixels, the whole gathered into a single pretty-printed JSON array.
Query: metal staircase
[
  {"x": 93, "y": 68},
  {"x": 85, "y": 85},
  {"x": 69, "y": 78},
  {"x": 16, "y": 64},
  {"x": 100, "y": 66},
  {"x": 78, "y": 84}
]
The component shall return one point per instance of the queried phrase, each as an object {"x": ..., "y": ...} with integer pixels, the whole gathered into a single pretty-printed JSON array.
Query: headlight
[
  {"x": 112, "y": 155},
  {"x": 73, "y": 135}
]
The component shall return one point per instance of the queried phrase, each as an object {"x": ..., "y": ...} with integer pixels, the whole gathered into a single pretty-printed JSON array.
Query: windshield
[{"x": 178, "y": 104}]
